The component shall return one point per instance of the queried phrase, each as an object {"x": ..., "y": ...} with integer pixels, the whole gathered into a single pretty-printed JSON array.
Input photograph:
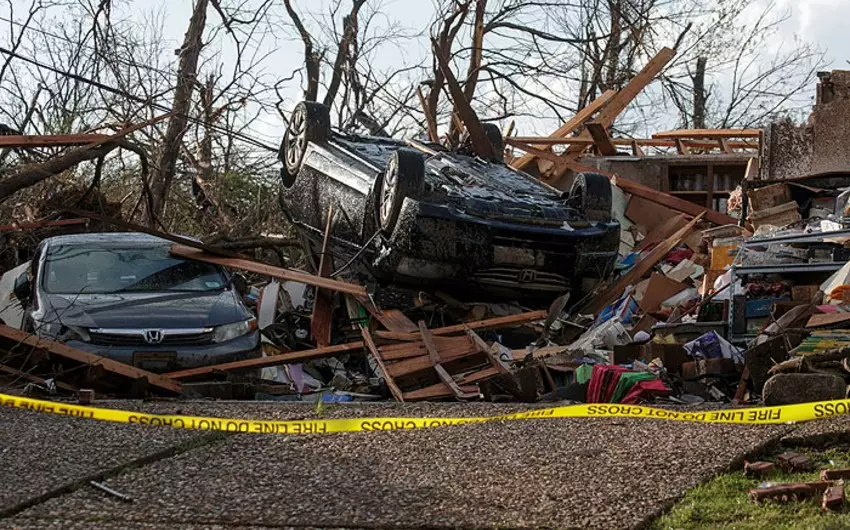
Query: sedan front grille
[
  {"x": 529, "y": 279},
  {"x": 137, "y": 338}
]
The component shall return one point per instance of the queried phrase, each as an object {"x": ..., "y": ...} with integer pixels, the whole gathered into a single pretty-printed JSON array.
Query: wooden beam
[
  {"x": 444, "y": 376},
  {"x": 625, "y": 96},
  {"x": 542, "y": 143},
  {"x": 274, "y": 360},
  {"x": 90, "y": 359},
  {"x": 35, "y": 379},
  {"x": 710, "y": 133},
  {"x": 498, "y": 322},
  {"x": 370, "y": 344},
  {"x": 480, "y": 142},
  {"x": 320, "y": 324},
  {"x": 268, "y": 270},
  {"x": 637, "y": 272},
  {"x": 681, "y": 147},
  {"x": 601, "y": 139},
  {"x": 429, "y": 119},
  {"x": 50, "y": 140},
  {"x": 674, "y": 203},
  {"x": 752, "y": 171},
  {"x": 724, "y": 145},
  {"x": 569, "y": 126}
]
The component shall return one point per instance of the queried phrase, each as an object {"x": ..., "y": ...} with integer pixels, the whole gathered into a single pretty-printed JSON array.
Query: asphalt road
[{"x": 598, "y": 473}]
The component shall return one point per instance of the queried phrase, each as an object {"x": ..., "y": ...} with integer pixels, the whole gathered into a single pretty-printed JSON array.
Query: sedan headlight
[{"x": 237, "y": 329}]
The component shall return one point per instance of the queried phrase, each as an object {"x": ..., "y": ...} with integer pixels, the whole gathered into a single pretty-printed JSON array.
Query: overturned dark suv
[{"x": 429, "y": 215}]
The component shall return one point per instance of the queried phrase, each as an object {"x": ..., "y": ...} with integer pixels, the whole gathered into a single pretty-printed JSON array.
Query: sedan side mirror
[
  {"x": 240, "y": 283},
  {"x": 23, "y": 288}
]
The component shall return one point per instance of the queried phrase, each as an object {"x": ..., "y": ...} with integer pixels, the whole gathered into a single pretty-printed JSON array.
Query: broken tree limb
[
  {"x": 480, "y": 143},
  {"x": 35, "y": 173},
  {"x": 637, "y": 272},
  {"x": 269, "y": 270},
  {"x": 273, "y": 360},
  {"x": 569, "y": 126},
  {"x": 16, "y": 336},
  {"x": 27, "y": 141},
  {"x": 145, "y": 230},
  {"x": 430, "y": 122}
]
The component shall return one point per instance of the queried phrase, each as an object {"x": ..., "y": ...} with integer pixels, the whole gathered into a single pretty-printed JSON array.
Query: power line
[{"x": 133, "y": 97}]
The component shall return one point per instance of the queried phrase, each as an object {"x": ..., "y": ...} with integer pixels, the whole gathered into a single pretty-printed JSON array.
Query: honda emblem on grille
[
  {"x": 527, "y": 275},
  {"x": 153, "y": 336}
]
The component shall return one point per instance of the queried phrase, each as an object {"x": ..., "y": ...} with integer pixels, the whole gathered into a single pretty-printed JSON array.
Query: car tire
[
  {"x": 309, "y": 122},
  {"x": 591, "y": 194},
  {"x": 403, "y": 177},
  {"x": 494, "y": 134}
]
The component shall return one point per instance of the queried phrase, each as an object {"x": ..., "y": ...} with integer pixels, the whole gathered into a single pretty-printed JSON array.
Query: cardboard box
[
  {"x": 804, "y": 293},
  {"x": 704, "y": 367},
  {"x": 659, "y": 289},
  {"x": 779, "y": 216},
  {"x": 768, "y": 196},
  {"x": 672, "y": 355}
]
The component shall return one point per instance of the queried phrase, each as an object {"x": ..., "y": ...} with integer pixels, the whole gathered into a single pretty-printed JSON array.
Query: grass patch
[{"x": 722, "y": 503}]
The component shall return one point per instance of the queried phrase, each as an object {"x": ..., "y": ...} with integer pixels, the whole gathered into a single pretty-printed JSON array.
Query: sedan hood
[{"x": 146, "y": 310}]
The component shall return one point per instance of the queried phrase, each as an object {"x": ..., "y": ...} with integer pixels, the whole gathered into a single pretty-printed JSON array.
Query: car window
[{"x": 72, "y": 269}]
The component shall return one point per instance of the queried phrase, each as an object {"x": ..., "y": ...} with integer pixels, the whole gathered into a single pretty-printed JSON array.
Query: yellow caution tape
[{"x": 746, "y": 416}]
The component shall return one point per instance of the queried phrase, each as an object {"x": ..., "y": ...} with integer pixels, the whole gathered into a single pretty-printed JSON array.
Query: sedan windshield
[{"x": 70, "y": 269}]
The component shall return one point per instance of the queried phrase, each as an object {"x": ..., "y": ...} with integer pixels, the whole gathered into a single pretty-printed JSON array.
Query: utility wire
[{"x": 123, "y": 93}]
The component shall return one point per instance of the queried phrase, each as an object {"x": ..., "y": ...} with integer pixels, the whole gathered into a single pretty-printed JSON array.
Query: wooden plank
[
  {"x": 370, "y": 344},
  {"x": 428, "y": 341},
  {"x": 569, "y": 126},
  {"x": 444, "y": 376},
  {"x": 710, "y": 133},
  {"x": 35, "y": 379},
  {"x": 484, "y": 348},
  {"x": 601, "y": 139},
  {"x": 480, "y": 143},
  {"x": 269, "y": 270},
  {"x": 320, "y": 324},
  {"x": 662, "y": 232},
  {"x": 681, "y": 148},
  {"x": 498, "y": 322},
  {"x": 15, "y": 227},
  {"x": 625, "y": 96},
  {"x": 636, "y": 150},
  {"x": 265, "y": 362},
  {"x": 543, "y": 143},
  {"x": 423, "y": 362},
  {"x": 62, "y": 350},
  {"x": 680, "y": 205},
  {"x": 752, "y": 171},
  {"x": 639, "y": 270},
  {"x": 827, "y": 319},
  {"x": 439, "y": 390},
  {"x": 27, "y": 141},
  {"x": 724, "y": 145}
]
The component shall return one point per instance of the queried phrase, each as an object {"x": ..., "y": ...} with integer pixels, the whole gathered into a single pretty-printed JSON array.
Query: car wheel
[
  {"x": 494, "y": 134},
  {"x": 403, "y": 177},
  {"x": 591, "y": 194},
  {"x": 310, "y": 122}
]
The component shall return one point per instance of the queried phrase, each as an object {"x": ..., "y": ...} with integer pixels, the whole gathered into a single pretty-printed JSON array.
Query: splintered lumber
[
  {"x": 268, "y": 270},
  {"x": 480, "y": 142},
  {"x": 601, "y": 139},
  {"x": 621, "y": 100},
  {"x": 640, "y": 269},
  {"x": 568, "y": 127},
  {"x": 320, "y": 324},
  {"x": 370, "y": 344},
  {"x": 661, "y": 232},
  {"x": 274, "y": 360},
  {"x": 89, "y": 359},
  {"x": 27, "y": 141},
  {"x": 710, "y": 133},
  {"x": 543, "y": 142},
  {"x": 444, "y": 376},
  {"x": 440, "y": 390},
  {"x": 675, "y": 203},
  {"x": 498, "y": 322},
  {"x": 35, "y": 379}
]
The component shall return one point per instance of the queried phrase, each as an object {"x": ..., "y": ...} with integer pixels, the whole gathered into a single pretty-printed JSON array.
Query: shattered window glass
[{"x": 71, "y": 269}]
